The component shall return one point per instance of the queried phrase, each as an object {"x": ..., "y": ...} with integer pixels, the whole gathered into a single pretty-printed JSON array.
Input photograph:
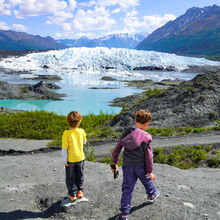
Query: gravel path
[
  {"x": 22, "y": 144},
  {"x": 33, "y": 186},
  {"x": 196, "y": 139}
]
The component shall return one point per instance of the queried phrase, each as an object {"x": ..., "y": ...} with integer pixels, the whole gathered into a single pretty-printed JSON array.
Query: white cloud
[
  {"x": 5, "y": 7},
  {"x": 15, "y": 27},
  {"x": 88, "y": 16},
  {"x": 123, "y": 3},
  {"x": 151, "y": 23},
  {"x": 19, "y": 27},
  {"x": 59, "y": 18},
  {"x": 87, "y": 4},
  {"x": 97, "y": 19},
  {"x": 58, "y": 35},
  {"x": 117, "y": 10},
  {"x": 131, "y": 22},
  {"x": 66, "y": 26},
  {"x": 4, "y": 26},
  {"x": 72, "y": 4},
  {"x": 30, "y": 8},
  {"x": 148, "y": 23}
]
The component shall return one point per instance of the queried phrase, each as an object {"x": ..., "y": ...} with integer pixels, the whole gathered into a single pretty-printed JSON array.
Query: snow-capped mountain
[
  {"x": 121, "y": 40},
  {"x": 99, "y": 58}
]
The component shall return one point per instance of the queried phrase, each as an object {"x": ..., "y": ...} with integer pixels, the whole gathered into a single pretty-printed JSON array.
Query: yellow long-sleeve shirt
[{"x": 73, "y": 141}]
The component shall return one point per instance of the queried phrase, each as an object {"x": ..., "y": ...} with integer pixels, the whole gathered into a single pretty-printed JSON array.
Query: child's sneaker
[
  {"x": 122, "y": 217},
  {"x": 73, "y": 198},
  {"x": 153, "y": 197},
  {"x": 79, "y": 194}
]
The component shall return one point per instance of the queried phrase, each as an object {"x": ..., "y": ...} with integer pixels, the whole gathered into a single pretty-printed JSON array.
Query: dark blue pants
[
  {"x": 130, "y": 176},
  {"x": 74, "y": 177}
]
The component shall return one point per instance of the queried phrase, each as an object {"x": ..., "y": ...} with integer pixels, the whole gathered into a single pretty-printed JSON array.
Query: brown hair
[
  {"x": 74, "y": 119},
  {"x": 143, "y": 116}
]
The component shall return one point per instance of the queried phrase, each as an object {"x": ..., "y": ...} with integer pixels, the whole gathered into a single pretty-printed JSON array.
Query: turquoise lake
[{"x": 80, "y": 96}]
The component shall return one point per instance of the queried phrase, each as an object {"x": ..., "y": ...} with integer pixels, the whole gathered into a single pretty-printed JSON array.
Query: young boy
[
  {"x": 73, "y": 155},
  {"x": 137, "y": 161}
]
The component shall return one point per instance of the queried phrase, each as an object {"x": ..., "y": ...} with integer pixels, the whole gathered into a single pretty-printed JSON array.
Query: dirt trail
[{"x": 196, "y": 139}]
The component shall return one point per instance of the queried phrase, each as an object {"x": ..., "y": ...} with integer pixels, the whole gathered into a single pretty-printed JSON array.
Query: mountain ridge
[
  {"x": 197, "y": 32},
  {"x": 13, "y": 40}
]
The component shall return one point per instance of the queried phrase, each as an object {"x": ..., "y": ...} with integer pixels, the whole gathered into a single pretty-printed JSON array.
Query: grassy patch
[
  {"x": 181, "y": 131},
  {"x": 183, "y": 157},
  {"x": 188, "y": 157},
  {"x": 43, "y": 125},
  {"x": 151, "y": 92}
]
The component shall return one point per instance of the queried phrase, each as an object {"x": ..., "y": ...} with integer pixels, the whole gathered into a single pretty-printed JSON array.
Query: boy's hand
[
  {"x": 115, "y": 168},
  {"x": 151, "y": 176},
  {"x": 66, "y": 165}
]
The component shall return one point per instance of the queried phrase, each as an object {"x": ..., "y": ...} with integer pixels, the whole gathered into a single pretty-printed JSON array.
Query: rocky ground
[
  {"x": 32, "y": 186},
  {"x": 39, "y": 90},
  {"x": 195, "y": 103}
]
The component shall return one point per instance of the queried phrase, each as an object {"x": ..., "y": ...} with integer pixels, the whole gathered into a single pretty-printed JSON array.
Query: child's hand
[
  {"x": 66, "y": 165},
  {"x": 115, "y": 170},
  {"x": 152, "y": 176}
]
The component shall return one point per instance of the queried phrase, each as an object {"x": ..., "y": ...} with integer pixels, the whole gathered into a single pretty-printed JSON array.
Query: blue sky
[{"x": 92, "y": 18}]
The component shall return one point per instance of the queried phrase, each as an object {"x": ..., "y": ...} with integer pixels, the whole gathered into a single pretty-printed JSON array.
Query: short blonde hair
[
  {"x": 74, "y": 119},
  {"x": 143, "y": 116}
]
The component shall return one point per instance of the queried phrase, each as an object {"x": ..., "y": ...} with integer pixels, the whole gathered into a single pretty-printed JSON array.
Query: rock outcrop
[
  {"x": 195, "y": 103},
  {"x": 29, "y": 92}
]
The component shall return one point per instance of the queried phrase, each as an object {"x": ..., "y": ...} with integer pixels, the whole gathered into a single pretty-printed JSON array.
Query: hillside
[
  {"x": 12, "y": 40},
  {"x": 195, "y": 103},
  {"x": 197, "y": 32},
  {"x": 126, "y": 40}
]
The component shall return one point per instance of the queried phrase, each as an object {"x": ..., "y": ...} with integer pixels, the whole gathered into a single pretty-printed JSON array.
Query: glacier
[{"x": 96, "y": 59}]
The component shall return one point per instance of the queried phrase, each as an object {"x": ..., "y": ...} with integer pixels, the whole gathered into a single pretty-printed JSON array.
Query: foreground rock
[
  {"x": 195, "y": 102},
  {"x": 36, "y": 191},
  {"x": 29, "y": 92}
]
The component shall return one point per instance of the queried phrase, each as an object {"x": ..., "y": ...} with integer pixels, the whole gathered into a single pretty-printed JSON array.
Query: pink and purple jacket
[{"x": 137, "y": 149}]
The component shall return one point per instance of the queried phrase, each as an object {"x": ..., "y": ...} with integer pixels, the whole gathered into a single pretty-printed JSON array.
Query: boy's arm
[
  {"x": 118, "y": 147},
  {"x": 149, "y": 158},
  {"x": 116, "y": 153},
  {"x": 64, "y": 155},
  {"x": 84, "y": 137},
  {"x": 64, "y": 148}
]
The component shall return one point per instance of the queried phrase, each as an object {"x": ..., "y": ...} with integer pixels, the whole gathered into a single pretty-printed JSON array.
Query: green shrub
[
  {"x": 45, "y": 125},
  {"x": 154, "y": 91},
  {"x": 24, "y": 90},
  {"x": 90, "y": 155},
  {"x": 185, "y": 157},
  {"x": 213, "y": 162}
]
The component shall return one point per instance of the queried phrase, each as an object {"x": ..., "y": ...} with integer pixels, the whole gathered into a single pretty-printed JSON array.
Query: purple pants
[{"x": 130, "y": 176}]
